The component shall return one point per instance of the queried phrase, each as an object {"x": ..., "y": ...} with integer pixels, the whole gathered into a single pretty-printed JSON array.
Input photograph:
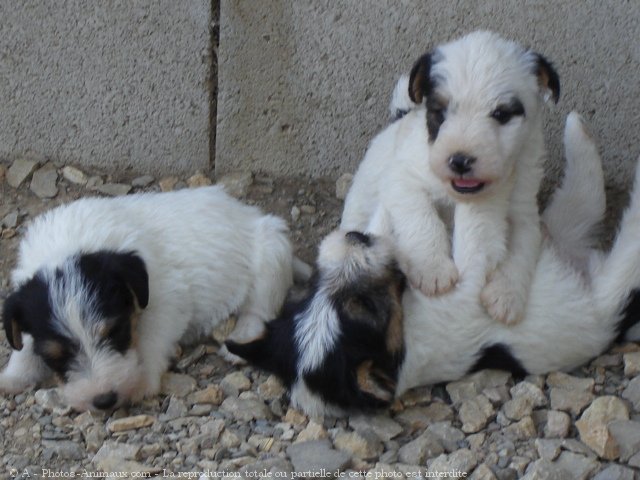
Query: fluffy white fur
[
  {"x": 575, "y": 303},
  {"x": 207, "y": 256},
  {"x": 406, "y": 175}
]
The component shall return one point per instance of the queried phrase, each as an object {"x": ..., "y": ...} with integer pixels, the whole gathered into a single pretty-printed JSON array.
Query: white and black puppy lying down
[
  {"x": 360, "y": 338},
  {"x": 104, "y": 289}
]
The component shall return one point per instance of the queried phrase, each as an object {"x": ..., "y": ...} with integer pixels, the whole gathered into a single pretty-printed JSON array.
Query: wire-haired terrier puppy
[
  {"x": 360, "y": 337},
  {"x": 104, "y": 289},
  {"x": 470, "y": 136}
]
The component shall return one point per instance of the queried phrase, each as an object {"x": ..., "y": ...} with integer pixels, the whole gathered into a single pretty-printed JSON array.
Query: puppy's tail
[
  {"x": 578, "y": 205},
  {"x": 401, "y": 103}
]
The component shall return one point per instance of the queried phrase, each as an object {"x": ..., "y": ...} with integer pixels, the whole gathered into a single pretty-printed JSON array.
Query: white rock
[
  {"x": 74, "y": 175},
  {"x": 343, "y": 184},
  {"x": 593, "y": 425}
]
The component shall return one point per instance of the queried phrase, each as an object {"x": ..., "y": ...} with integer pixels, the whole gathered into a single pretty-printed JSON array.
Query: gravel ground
[{"x": 212, "y": 417}]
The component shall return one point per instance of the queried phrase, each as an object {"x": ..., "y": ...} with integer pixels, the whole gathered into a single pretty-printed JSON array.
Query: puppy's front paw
[
  {"x": 435, "y": 277},
  {"x": 502, "y": 300},
  {"x": 230, "y": 357}
]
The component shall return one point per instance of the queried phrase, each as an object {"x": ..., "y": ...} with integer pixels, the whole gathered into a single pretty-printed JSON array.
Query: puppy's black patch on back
[
  {"x": 630, "y": 315},
  {"x": 498, "y": 357}
]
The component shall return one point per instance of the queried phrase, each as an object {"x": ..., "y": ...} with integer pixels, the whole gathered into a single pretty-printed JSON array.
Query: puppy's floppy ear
[
  {"x": 420, "y": 78},
  {"x": 133, "y": 271},
  {"x": 12, "y": 319},
  {"x": 548, "y": 78}
]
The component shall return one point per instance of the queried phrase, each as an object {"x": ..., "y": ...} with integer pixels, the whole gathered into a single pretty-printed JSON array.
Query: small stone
[
  {"x": 3, "y": 172},
  {"x": 44, "y": 180},
  {"x": 475, "y": 413},
  {"x": 236, "y": 184},
  {"x": 176, "y": 409},
  {"x": 569, "y": 382},
  {"x": 472, "y": 385},
  {"x": 271, "y": 388},
  {"x": 143, "y": 181},
  {"x": 383, "y": 426},
  {"x": 49, "y": 400},
  {"x": 548, "y": 449},
  {"x": 482, "y": 472},
  {"x": 573, "y": 401},
  {"x": 558, "y": 424},
  {"x": 10, "y": 220},
  {"x": 246, "y": 410},
  {"x": 631, "y": 364},
  {"x": 94, "y": 182},
  {"x": 635, "y": 461},
  {"x": 607, "y": 361},
  {"x": 177, "y": 384},
  {"x": 627, "y": 435},
  {"x": 460, "y": 463},
  {"x": 318, "y": 456},
  {"x": 114, "y": 189},
  {"x": 419, "y": 418},
  {"x": 167, "y": 184},
  {"x": 295, "y": 417},
  {"x": 62, "y": 450},
  {"x": 236, "y": 382},
  {"x": 615, "y": 472},
  {"x": 74, "y": 175},
  {"x": 212, "y": 395},
  {"x": 593, "y": 425},
  {"x": 580, "y": 467},
  {"x": 295, "y": 213},
  {"x": 130, "y": 423},
  {"x": 632, "y": 393},
  {"x": 476, "y": 440},
  {"x": 545, "y": 470},
  {"x": 20, "y": 171},
  {"x": 229, "y": 439},
  {"x": 196, "y": 354},
  {"x": 94, "y": 437},
  {"x": 313, "y": 431},
  {"x": 111, "y": 452},
  {"x": 532, "y": 392},
  {"x": 417, "y": 451},
  {"x": 343, "y": 184},
  {"x": 365, "y": 445},
  {"x": 8, "y": 233},
  {"x": 517, "y": 408},
  {"x": 521, "y": 430},
  {"x": 198, "y": 180},
  {"x": 307, "y": 209},
  {"x": 448, "y": 435}
]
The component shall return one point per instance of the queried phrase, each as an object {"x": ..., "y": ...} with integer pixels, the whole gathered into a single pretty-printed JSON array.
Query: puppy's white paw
[
  {"x": 434, "y": 277},
  {"x": 502, "y": 300}
]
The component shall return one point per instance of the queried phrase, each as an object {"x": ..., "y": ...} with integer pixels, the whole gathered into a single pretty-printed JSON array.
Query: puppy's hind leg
[
  {"x": 24, "y": 370},
  {"x": 272, "y": 277},
  {"x": 618, "y": 274},
  {"x": 579, "y": 204}
]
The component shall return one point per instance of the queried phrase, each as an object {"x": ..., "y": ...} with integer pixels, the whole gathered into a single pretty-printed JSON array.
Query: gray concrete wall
[
  {"x": 304, "y": 84},
  {"x": 113, "y": 84}
]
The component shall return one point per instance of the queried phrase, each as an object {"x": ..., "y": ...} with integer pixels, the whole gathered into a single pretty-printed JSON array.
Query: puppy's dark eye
[
  {"x": 436, "y": 115},
  {"x": 504, "y": 113}
]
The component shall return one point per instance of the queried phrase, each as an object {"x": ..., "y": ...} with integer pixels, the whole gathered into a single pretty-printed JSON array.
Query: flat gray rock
[
  {"x": 44, "y": 182},
  {"x": 318, "y": 456},
  {"x": 20, "y": 171}
]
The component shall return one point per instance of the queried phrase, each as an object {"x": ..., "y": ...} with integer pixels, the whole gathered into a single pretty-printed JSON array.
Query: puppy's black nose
[
  {"x": 105, "y": 401},
  {"x": 460, "y": 163},
  {"x": 358, "y": 238}
]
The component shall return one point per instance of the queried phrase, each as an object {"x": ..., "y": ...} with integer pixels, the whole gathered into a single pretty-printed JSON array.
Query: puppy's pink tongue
[{"x": 466, "y": 183}]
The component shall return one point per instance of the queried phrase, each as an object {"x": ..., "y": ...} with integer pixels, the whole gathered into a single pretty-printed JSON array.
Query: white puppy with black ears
[
  {"x": 104, "y": 289},
  {"x": 472, "y": 139}
]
